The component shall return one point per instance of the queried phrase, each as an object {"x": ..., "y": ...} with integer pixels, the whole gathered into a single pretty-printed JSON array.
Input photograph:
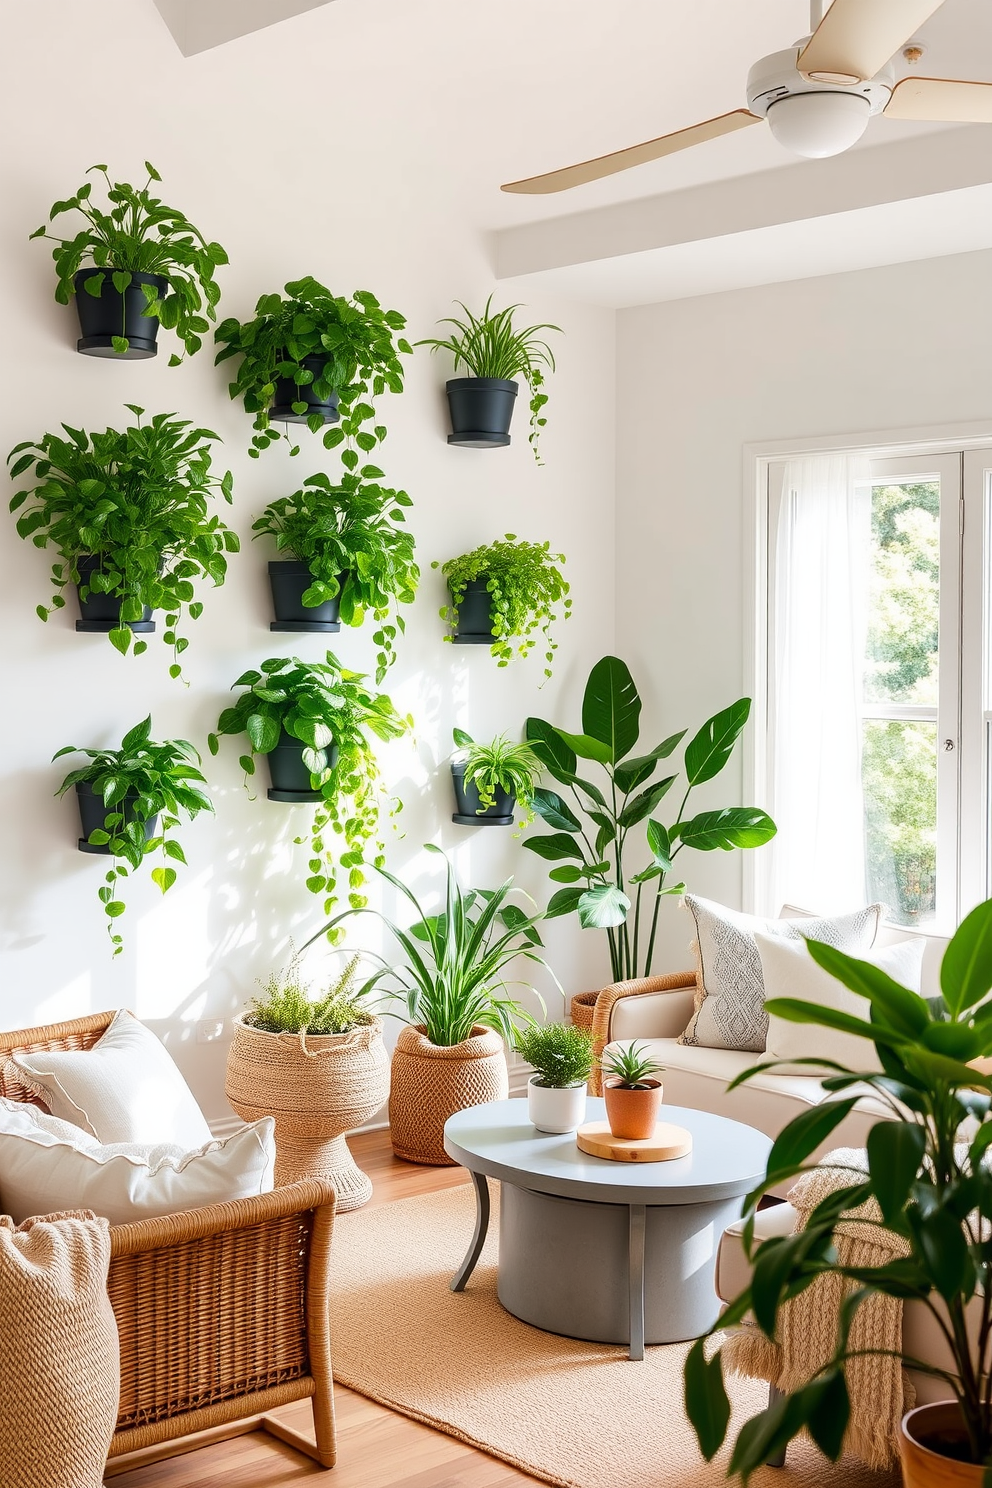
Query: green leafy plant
[
  {"x": 138, "y": 234},
  {"x": 286, "y": 1004},
  {"x": 928, "y": 1181},
  {"x": 361, "y": 359},
  {"x": 527, "y": 589},
  {"x": 137, "y": 500},
  {"x": 490, "y": 345},
  {"x": 331, "y": 711},
  {"x": 137, "y": 782},
  {"x": 500, "y": 766},
  {"x": 350, "y": 530},
  {"x": 591, "y": 834},
  {"x": 454, "y": 975},
  {"x": 630, "y": 1067},
  {"x": 560, "y": 1054}
]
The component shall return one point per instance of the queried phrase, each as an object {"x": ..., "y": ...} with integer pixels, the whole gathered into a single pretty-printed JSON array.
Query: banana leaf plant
[{"x": 603, "y": 859}]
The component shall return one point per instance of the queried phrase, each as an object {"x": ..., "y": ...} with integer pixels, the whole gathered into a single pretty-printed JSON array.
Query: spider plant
[{"x": 500, "y": 766}]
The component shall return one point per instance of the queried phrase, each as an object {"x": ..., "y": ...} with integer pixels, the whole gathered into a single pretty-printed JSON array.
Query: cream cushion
[
  {"x": 126, "y": 1088},
  {"x": 48, "y": 1165}
]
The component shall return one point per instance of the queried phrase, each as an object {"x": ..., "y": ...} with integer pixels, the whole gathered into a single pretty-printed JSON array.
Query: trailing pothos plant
[
  {"x": 350, "y": 535},
  {"x": 137, "y": 500},
  {"x": 332, "y": 712},
  {"x": 137, "y": 782},
  {"x": 526, "y": 588},
  {"x": 355, "y": 339},
  {"x": 136, "y": 233},
  {"x": 500, "y": 766},
  {"x": 593, "y": 834}
]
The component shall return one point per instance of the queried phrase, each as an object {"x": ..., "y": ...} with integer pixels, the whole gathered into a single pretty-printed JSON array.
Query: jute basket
[
  {"x": 431, "y": 1083},
  {"x": 317, "y": 1087},
  {"x": 583, "y": 1008}
]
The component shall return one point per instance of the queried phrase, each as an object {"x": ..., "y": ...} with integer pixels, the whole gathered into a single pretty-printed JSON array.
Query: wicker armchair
[{"x": 222, "y": 1311}]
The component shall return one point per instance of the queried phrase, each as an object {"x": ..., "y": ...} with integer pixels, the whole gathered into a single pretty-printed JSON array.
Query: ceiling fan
[{"x": 817, "y": 96}]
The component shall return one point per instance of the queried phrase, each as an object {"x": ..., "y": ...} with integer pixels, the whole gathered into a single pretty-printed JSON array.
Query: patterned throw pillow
[{"x": 730, "y": 991}]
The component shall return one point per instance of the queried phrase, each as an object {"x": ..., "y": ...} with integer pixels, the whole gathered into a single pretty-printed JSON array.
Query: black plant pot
[
  {"x": 288, "y": 392},
  {"x": 289, "y": 578},
  {"x": 467, "y": 802},
  {"x": 93, "y": 814},
  {"x": 289, "y": 775},
  {"x": 475, "y": 622},
  {"x": 481, "y": 409},
  {"x": 114, "y": 314},
  {"x": 102, "y": 612}
]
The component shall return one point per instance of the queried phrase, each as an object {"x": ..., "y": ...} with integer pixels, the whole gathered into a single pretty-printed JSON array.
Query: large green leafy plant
[
  {"x": 137, "y": 499},
  {"x": 354, "y": 339},
  {"x": 928, "y": 1180},
  {"x": 136, "y": 233},
  {"x": 526, "y": 591},
  {"x": 353, "y": 529},
  {"x": 332, "y": 712},
  {"x": 595, "y": 826},
  {"x": 139, "y": 781}
]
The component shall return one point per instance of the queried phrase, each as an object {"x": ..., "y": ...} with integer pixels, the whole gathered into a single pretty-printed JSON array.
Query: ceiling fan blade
[
  {"x": 944, "y": 100},
  {"x": 621, "y": 160},
  {"x": 856, "y": 38}
]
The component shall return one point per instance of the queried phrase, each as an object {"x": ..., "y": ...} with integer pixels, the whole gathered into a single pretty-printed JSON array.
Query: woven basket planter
[
  {"x": 317, "y": 1087},
  {"x": 430, "y": 1083},
  {"x": 582, "y": 1008}
]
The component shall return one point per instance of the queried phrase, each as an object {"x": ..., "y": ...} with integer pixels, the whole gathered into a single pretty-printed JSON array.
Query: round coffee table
[{"x": 613, "y": 1252}]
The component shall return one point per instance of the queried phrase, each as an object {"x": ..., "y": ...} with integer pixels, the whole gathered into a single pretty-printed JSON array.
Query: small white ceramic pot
[{"x": 556, "y": 1110}]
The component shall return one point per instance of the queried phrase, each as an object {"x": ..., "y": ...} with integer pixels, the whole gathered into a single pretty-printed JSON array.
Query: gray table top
[{"x": 498, "y": 1139}]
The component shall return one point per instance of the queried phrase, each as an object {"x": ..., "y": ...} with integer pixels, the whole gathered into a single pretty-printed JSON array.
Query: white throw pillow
[
  {"x": 790, "y": 971},
  {"x": 48, "y": 1165},
  {"x": 125, "y": 1089},
  {"x": 730, "y": 995}
]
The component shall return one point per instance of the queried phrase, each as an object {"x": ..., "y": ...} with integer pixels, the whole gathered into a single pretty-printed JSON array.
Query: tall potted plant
[
  {"x": 347, "y": 554},
  {"x": 128, "y": 513},
  {"x": 491, "y": 780},
  {"x": 494, "y": 352},
  {"x": 501, "y": 593},
  {"x": 148, "y": 265},
  {"x": 316, "y": 358},
  {"x": 927, "y": 1181},
  {"x": 130, "y": 803},
  {"x": 312, "y": 722}
]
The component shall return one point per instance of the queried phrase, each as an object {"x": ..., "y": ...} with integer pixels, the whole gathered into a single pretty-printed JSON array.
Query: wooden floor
[{"x": 376, "y": 1447}]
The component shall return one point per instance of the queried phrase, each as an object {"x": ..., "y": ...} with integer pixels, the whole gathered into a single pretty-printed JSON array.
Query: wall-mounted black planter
[
  {"x": 481, "y": 409},
  {"x": 114, "y": 314},
  {"x": 467, "y": 802},
  {"x": 102, "y": 612},
  {"x": 289, "y": 775},
  {"x": 288, "y": 392},
  {"x": 289, "y": 579},
  {"x": 93, "y": 814},
  {"x": 475, "y": 621}
]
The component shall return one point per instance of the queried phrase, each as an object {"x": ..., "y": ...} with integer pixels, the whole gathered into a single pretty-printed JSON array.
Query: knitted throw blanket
[
  {"x": 58, "y": 1398},
  {"x": 807, "y": 1325}
]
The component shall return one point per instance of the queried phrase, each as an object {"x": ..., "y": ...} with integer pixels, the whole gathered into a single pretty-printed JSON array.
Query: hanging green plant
[{"x": 522, "y": 590}]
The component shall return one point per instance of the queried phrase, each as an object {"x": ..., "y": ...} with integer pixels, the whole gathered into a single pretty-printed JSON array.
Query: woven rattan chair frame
[
  {"x": 222, "y": 1311},
  {"x": 607, "y": 1001}
]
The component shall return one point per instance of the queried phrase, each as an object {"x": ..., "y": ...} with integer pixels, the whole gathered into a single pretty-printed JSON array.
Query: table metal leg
[
  {"x": 481, "y": 1229},
  {"x": 635, "y": 1279}
]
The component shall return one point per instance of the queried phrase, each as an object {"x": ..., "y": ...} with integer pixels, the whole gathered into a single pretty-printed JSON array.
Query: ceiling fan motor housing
[{"x": 818, "y": 128}]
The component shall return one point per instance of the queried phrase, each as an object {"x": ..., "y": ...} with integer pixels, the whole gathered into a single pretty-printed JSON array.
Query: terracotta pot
[
  {"x": 633, "y": 1114},
  {"x": 431, "y": 1082},
  {"x": 925, "y": 1434}
]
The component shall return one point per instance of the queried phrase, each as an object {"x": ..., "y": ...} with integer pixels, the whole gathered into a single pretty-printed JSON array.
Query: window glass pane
[
  {"x": 899, "y": 776},
  {"x": 901, "y": 652}
]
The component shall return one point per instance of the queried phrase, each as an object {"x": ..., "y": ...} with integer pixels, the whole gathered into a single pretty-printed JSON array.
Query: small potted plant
[
  {"x": 315, "y": 358},
  {"x": 352, "y": 556},
  {"x": 501, "y": 593},
  {"x": 491, "y": 780},
  {"x": 312, "y": 721},
  {"x": 130, "y": 802},
  {"x": 633, "y": 1097},
  {"x": 128, "y": 514},
  {"x": 494, "y": 352},
  {"x": 562, "y": 1059},
  {"x": 319, "y": 1067},
  {"x": 147, "y": 265}
]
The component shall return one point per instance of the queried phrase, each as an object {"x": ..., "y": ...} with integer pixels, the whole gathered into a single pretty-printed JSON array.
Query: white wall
[
  {"x": 299, "y": 159},
  {"x": 903, "y": 347}
]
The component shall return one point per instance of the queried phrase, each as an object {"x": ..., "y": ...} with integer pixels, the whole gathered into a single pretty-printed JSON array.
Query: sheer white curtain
[{"x": 819, "y": 536}]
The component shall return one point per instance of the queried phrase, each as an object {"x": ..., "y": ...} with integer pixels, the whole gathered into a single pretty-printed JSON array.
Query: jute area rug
[{"x": 580, "y": 1415}]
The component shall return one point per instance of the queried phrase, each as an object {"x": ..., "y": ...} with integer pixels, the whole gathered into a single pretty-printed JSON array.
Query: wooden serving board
[{"x": 669, "y": 1141}]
